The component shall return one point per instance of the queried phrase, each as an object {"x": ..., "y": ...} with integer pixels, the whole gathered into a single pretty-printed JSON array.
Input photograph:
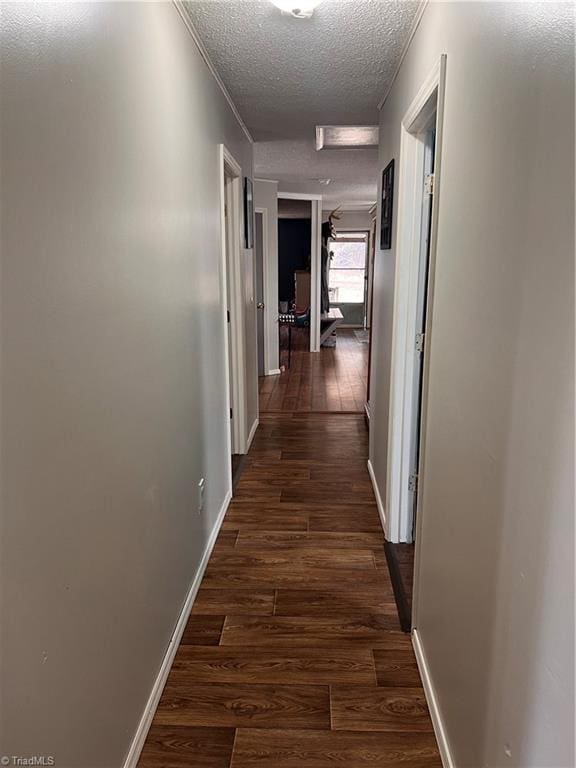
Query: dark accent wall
[{"x": 294, "y": 237}]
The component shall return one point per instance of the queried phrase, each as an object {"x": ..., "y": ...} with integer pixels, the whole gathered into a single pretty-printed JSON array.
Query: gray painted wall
[
  {"x": 495, "y": 586},
  {"x": 113, "y": 378}
]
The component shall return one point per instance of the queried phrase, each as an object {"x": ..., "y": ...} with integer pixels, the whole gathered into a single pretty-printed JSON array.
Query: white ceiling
[
  {"x": 288, "y": 75},
  {"x": 298, "y": 166}
]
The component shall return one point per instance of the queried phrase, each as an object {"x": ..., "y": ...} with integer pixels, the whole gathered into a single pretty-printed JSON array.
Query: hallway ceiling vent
[
  {"x": 346, "y": 136},
  {"x": 298, "y": 9}
]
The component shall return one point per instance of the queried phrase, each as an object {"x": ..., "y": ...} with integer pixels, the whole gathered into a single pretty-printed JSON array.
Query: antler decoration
[{"x": 335, "y": 215}]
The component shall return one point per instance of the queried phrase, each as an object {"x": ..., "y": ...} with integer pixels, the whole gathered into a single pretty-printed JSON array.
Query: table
[{"x": 329, "y": 321}]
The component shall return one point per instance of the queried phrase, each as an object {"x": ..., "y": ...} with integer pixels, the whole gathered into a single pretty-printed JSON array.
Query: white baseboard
[
  {"x": 150, "y": 709},
  {"x": 251, "y": 435},
  {"x": 274, "y": 372},
  {"x": 430, "y": 693},
  {"x": 379, "y": 504}
]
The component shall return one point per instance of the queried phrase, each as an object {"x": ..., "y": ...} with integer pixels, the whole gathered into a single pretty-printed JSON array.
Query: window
[{"x": 347, "y": 268}]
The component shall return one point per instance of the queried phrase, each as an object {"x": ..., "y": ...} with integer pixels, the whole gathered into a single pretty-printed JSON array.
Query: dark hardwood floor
[
  {"x": 293, "y": 656},
  {"x": 333, "y": 379}
]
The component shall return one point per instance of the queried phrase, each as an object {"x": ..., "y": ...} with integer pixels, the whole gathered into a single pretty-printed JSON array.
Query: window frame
[{"x": 347, "y": 236}]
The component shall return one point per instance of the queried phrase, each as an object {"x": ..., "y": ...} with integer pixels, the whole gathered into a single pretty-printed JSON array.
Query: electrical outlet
[{"x": 201, "y": 491}]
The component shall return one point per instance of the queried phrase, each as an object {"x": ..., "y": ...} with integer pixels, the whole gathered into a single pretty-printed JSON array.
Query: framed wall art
[
  {"x": 386, "y": 206},
  {"x": 248, "y": 213}
]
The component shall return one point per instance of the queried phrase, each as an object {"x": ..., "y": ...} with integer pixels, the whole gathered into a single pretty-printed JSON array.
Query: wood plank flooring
[
  {"x": 333, "y": 379},
  {"x": 293, "y": 655}
]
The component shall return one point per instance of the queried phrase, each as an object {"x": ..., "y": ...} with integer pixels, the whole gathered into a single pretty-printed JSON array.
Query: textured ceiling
[
  {"x": 287, "y": 75},
  {"x": 298, "y": 166}
]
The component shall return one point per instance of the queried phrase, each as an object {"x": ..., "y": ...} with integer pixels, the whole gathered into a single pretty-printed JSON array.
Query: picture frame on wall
[
  {"x": 248, "y": 213},
  {"x": 386, "y": 206}
]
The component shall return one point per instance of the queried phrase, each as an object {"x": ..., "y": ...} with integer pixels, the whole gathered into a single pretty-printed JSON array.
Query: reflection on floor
[
  {"x": 333, "y": 379},
  {"x": 293, "y": 655}
]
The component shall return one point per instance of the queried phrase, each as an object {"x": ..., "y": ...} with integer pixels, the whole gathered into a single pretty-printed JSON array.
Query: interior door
[
  {"x": 259, "y": 250},
  {"x": 421, "y": 308},
  {"x": 228, "y": 202}
]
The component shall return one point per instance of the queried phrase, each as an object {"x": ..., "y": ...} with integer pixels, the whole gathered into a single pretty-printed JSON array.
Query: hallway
[
  {"x": 181, "y": 182},
  {"x": 334, "y": 379},
  {"x": 293, "y": 655}
]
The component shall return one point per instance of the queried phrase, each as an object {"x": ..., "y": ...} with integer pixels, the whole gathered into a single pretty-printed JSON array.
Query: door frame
[
  {"x": 265, "y": 287},
  {"x": 370, "y": 317},
  {"x": 429, "y": 98},
  {"x": 315, "y": 253},
  {"x": 231, "y": 278}
]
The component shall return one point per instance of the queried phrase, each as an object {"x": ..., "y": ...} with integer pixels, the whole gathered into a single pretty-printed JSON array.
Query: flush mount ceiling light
[
  {"x": 346, "y": 136},
  {"x": 299, "y": 9}
]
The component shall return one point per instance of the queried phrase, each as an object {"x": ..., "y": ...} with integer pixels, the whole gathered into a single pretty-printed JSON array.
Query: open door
[
  {"x": 429, "y": 139},
  {"x": 260, "y": 282}
]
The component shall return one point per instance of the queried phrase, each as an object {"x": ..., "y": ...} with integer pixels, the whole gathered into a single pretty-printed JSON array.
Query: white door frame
[
  {"x": 430, "y": 99},
  {"x": 265, "y": 287},
  {"x": 315, "y": 267},
  {"x": 231, "y": 272}
]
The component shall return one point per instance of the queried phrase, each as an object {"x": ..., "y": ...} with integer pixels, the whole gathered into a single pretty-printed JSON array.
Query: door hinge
[
  {"x": 420, "y": 339},
  {"x": 429, "y": 184},
  {"x": 231, "y": 413},
  {"x": 413, "y": 482}
]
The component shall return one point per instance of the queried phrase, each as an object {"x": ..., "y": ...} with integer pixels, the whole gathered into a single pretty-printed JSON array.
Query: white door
[
  {"x": 259, "y": 264},
  {"x": 228, "y": 234},
  {"x": 420, "y": 341}
]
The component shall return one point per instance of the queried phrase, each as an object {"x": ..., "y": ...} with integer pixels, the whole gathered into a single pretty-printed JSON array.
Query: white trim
[
  {"x": 429, "y": 323},
  {"x": 267, "y": 315},
  {"x": 252, "y": 433},
  {"x": 228, "y": 166},
  {"x": 274, "y": 372},
  {"x": 154, "y": 697},
  {"x": 410, "y": 192},
  {"x": 266, "y": 181},
  {"x": 224, "y": 304},
  {"x": 413, "y": 28},
  {"x": 185, "y": 16},
  {"x": 298, "y": 196},
  {"x": 379, "y": 502},
  {"x": 315, "y": 274},
  {"x": 433, "y": 706},
  {"x": 417, "y": 112}
]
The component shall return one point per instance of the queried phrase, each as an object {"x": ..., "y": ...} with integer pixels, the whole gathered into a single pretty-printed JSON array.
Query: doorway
[
  {"x": 260, "y": 240},
  {"x": 332, "y": 378},
  {"x": 415, "y": 256},
  {"x": 231, "y": 286}
]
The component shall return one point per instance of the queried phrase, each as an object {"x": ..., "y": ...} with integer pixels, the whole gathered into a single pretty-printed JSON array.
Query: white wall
[
  {"x": 495, "y": 585},
  {"x": 266, "y": 196},
  {"x": 113, "y": 378}
]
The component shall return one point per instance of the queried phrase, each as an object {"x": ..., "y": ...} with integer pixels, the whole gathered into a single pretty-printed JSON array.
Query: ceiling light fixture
[
  {"x": 298, "y": 9},
  {"x": 346, "y": 136}
]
